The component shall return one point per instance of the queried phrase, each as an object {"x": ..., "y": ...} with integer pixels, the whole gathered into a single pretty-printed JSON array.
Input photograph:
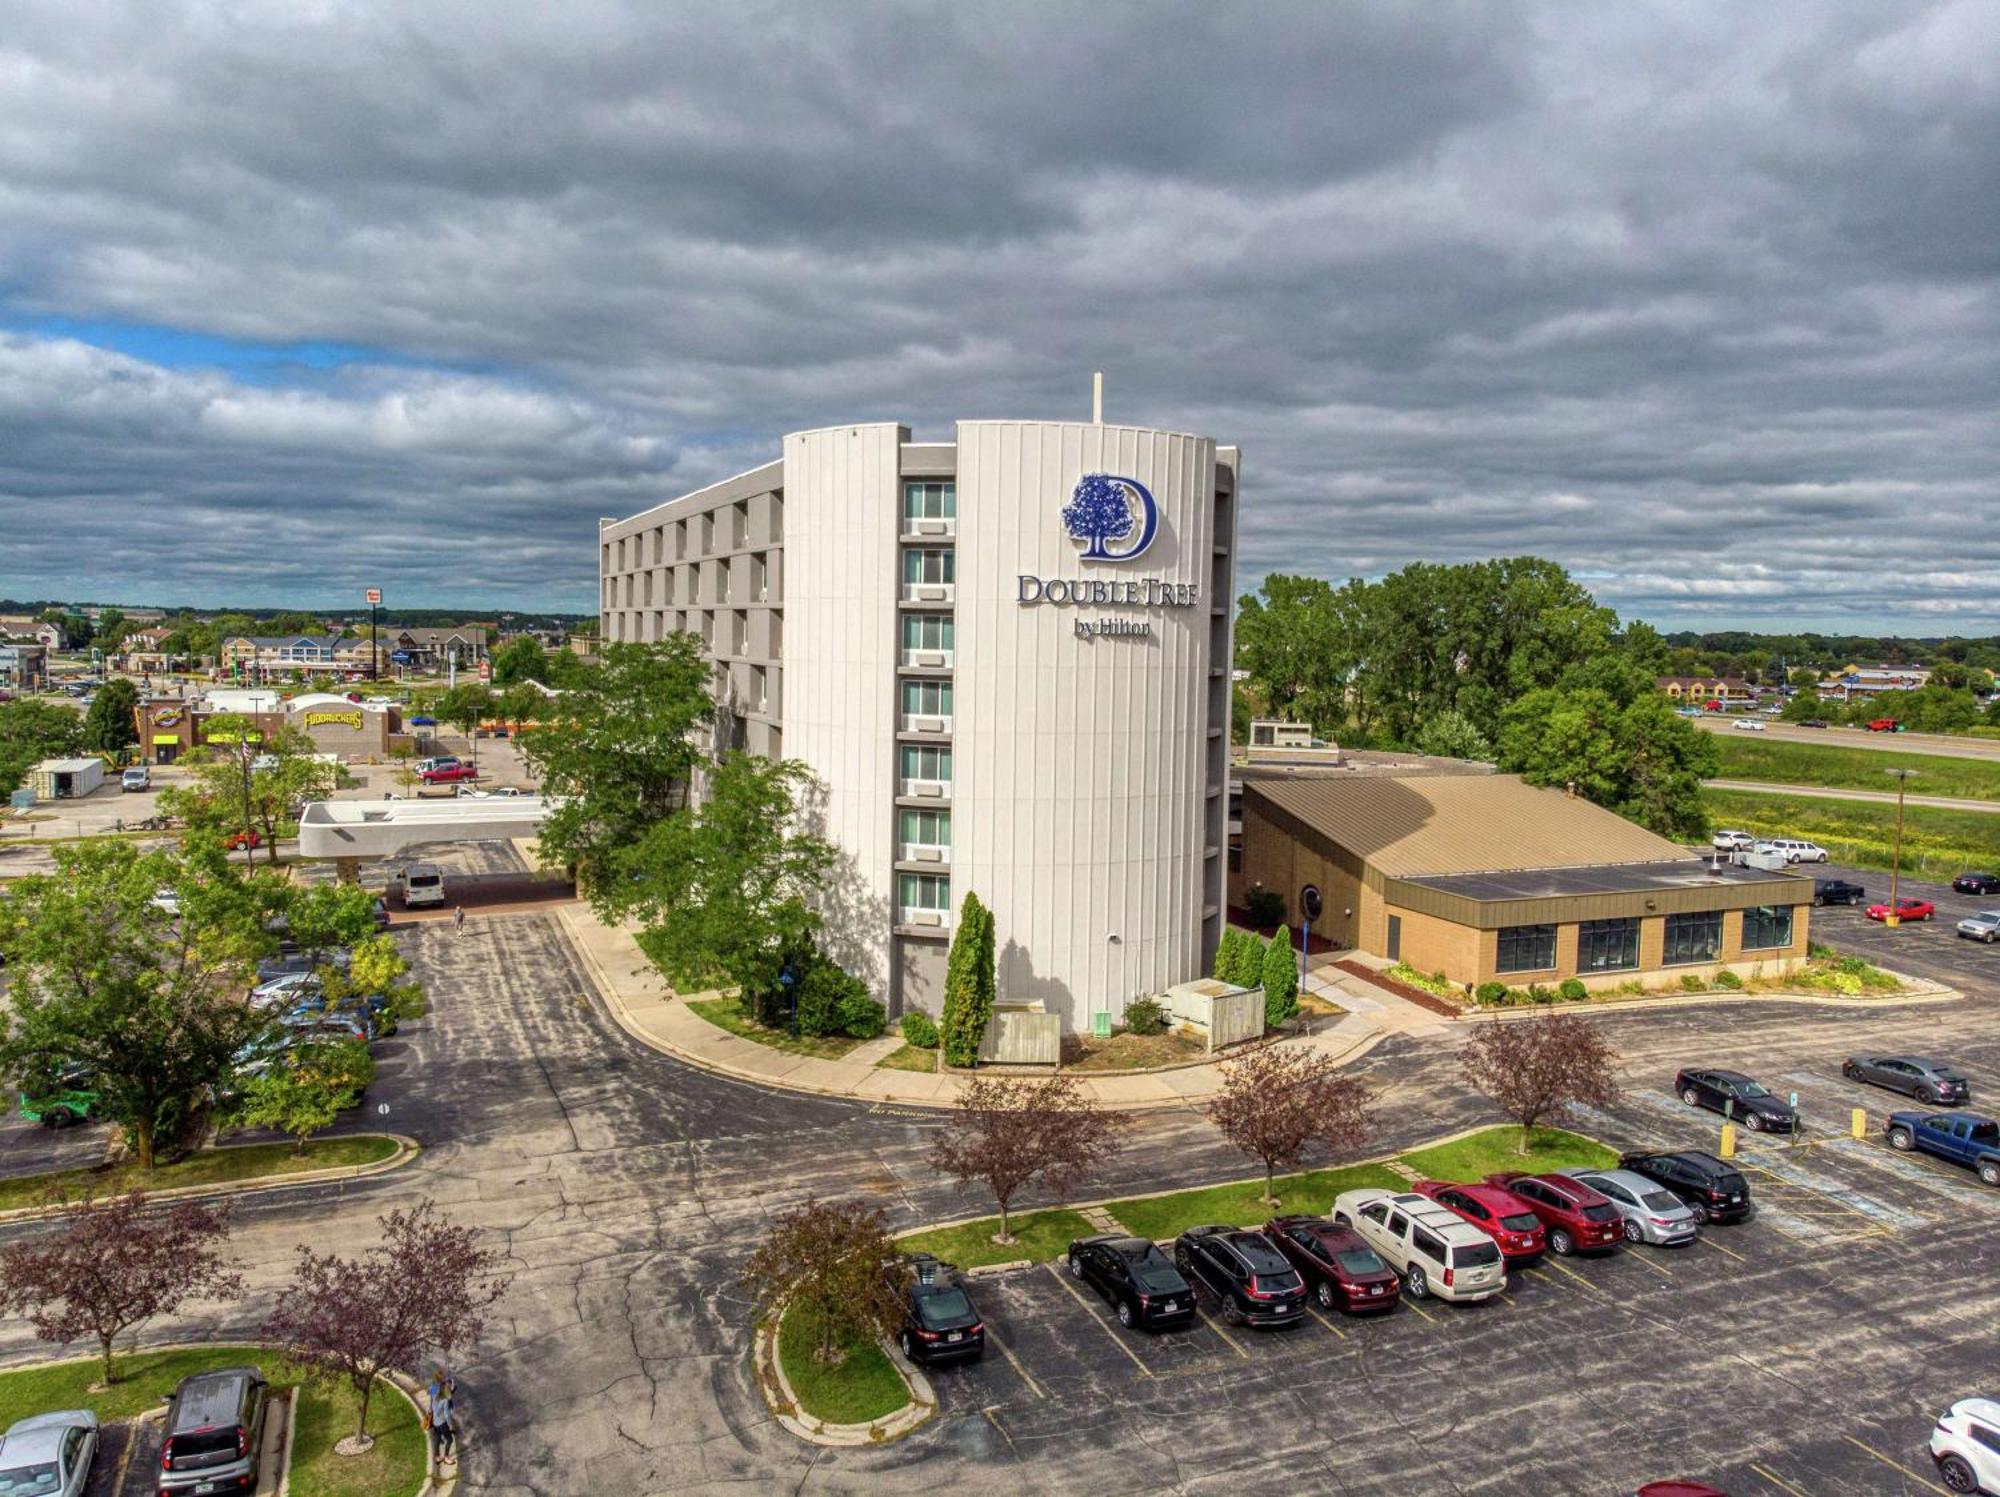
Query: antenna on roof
[{"x": 1097, "y": 398}]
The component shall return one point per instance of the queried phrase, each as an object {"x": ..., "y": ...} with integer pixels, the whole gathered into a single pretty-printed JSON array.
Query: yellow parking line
[
  {"x": 1895, "y": 1465},
  {"x": 1778, "y": 1481},
  {"x": 1570, "y": 1273},
  {"x": 1033, "y": 1386},
  {"x": 1412, "y": 1304},
  {"x": 1641, "y": 1259},
  {"x": 1228, "y": 1340},
  {"x": 1327, "y": 1323},
  {"x": 1726, "y": 1252},
  {"x": 1090, "y": 1310}
]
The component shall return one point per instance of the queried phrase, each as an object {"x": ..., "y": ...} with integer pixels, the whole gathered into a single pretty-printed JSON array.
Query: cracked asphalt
[{"x": 627, "y": 1189}]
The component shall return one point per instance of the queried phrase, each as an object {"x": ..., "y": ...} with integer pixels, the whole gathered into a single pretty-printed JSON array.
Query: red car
[
  {"x": 1576, "y": 1218},
  {"x": 1499, "y": 1213},
  {"x": 444, "y": 774},
  {"x": 1339, "y": 1268},
  {"x": 1883, "y": 725},
  {"x": 1906, "y": 909},
  {"x": 236, "y": 841}
]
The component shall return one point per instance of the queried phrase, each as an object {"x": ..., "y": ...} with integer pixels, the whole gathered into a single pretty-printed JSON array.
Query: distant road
[
  {"x": 1904, "y": 743},
  {"x": 1887, "y": 797}
]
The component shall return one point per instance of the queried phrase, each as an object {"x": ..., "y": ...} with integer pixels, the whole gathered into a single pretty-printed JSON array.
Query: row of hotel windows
[
  {"x": 637, "y": 587},
  {"x": 629, "y": 552},
  {"x": 1613, "y": 945}
]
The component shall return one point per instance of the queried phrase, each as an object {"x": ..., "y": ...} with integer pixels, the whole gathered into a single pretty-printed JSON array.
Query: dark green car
[{"x": 71, "y": 1099}]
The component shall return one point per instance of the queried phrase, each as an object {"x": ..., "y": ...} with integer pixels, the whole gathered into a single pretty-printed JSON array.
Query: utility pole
[
  {"x": 249, "y": 832},
  {"x": 1896, "y": 857}
]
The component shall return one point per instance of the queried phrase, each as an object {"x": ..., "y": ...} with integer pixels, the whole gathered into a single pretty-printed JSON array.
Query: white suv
[
  {"x": 1436, "y": 1250},
  {"x": 1966, "y": 1446},
  {"x": 1732, "y": 841},
  {"x": 1793, "y": 850}
]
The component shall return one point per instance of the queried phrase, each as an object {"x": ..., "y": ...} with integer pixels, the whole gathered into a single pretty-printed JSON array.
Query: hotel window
[
  {"x": 1526, "y": 948},
  {"x": 722, "y": 582},
  {"x": 923, "y": 828},
  {"x": 927, "y": 631},
  {"x": 1607, "y": 945},
  {"x": 1766, "y": 926},
  {"x": 739, "y": 632},
  {"x": 1693, "y": 938},
  {"x": 930, "y": 501},
  {"x": 924, "y": 761},
  {"x": 926, "y": 698},
  {"x": 760, "y": 578},
  {"x": 923, "y": 891},
  {"x": 760, "y": 691},
  {"x": 928, "y": 567},
  {"x": 739, "y": 524}
]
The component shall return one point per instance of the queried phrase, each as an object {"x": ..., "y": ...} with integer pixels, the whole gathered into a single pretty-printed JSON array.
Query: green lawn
[
  {"x": 394, "y": 1468},
  {"x": 910, "y": 1058},
  {"x": 727, "y": 1013},
  {"x": 209, "y": 1167},
  {"x": 1936, "y": 844},
  {"x": 1046, "y": 1234},
  {"x": 865, "y": 1386},
  {"x": 1840, "y": 767}
]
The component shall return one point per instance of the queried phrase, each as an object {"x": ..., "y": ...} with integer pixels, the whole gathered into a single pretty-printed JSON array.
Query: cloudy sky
[{"x": 1699, "y": 299}]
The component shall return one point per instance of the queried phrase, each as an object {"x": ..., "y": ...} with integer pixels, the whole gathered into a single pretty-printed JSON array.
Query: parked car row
[{"x": 1791, "y": 849}]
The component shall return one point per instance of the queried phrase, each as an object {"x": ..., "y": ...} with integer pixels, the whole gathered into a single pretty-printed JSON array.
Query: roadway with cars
[
  {"x": 1847, "y": 737},
  {"x": 1805, "y": 1351}
]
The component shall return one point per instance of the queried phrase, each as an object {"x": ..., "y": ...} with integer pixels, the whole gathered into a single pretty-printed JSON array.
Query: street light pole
[
  {"x": 243, "y": 757},
  {"x": 1896, "y": 857}
]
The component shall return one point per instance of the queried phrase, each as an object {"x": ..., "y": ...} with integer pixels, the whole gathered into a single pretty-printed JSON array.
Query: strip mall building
[{"x": 1006, "y": 659}]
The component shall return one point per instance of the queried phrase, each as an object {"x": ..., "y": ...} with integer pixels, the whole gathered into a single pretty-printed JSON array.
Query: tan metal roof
[{"x": 1408, "y": 827}]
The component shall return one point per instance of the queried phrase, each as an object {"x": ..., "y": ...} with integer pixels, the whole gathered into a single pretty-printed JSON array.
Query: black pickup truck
[{"x": 1837, "y": 891}]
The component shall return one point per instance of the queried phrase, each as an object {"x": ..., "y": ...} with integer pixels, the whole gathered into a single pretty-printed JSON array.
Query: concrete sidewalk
[{"x": 652, "y": 1013}]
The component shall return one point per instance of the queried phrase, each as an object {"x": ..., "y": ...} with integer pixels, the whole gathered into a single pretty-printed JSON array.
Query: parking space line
[
  {"x": 1895, "y": 1465},
  {"x": 1643, "y": 1261},
  {"x": 1411, "y": 1304},
  {"x": 1570, "y": 1273},
  {"x": 1778, "y": 1481},
  {"x": 1015, "y": 1362},
  {"x": 1098, "y": 1320},
  {"x": 1327, "y": 1323},
  {"x": 1230, "y": 1341},
  {"x": 1726, "y": 1252}
]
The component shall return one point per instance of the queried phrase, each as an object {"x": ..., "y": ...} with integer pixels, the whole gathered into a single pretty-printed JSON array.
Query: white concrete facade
[{"x": 991, "y": 705}]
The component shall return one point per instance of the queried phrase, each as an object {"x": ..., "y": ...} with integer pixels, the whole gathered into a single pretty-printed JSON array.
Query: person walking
[
  {"x": 444, "y": 1435},
  {"x": 458, "y": 917}
]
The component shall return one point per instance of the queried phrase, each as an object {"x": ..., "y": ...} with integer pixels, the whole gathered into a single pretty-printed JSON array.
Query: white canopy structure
[{"x": 383, "y": 828}]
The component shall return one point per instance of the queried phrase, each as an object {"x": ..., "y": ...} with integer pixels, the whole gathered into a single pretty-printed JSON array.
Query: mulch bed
[
  {"x": 1402, "y": 990},
  {"x": 1241, "y": 917}
]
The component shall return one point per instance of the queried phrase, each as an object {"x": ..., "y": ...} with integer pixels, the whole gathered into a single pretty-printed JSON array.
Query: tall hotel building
[{"x": 1007, "y": 660}]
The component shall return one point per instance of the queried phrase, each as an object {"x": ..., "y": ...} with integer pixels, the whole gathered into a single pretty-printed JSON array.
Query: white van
[
  {"x": 1435, "y": 1249},
  {"x": 137, "y": 777},
  {"x": 421, "y": 884}
]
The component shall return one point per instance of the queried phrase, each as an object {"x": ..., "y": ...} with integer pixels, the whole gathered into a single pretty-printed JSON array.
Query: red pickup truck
[
  {"x": 1884, "y": 725},
  {"x": 445, "y": 774}
]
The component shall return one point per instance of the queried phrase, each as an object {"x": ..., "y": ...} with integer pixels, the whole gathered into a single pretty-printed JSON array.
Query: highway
[
  {"x": 1904, "y": 743},
  {"x": 1885, "y": 797}
]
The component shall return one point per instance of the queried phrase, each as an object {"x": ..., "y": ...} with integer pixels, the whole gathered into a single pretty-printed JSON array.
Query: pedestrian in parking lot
[
  {"x": 458, "y": 917},
  {"x": 444, "y": 1437}
]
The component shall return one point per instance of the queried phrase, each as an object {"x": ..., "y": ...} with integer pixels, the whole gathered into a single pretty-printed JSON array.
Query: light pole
[
  {"x": 1896, "y": 857},
  {"x": 243, "y": 757}
]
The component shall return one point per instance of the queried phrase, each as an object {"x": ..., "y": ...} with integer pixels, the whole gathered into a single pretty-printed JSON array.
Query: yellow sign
[
  {"x": 346, "y": 719},
  {"x": 167, "y": 717},
  {"x": 225, "y": 736},
  {"x": 159, "y": 738}
]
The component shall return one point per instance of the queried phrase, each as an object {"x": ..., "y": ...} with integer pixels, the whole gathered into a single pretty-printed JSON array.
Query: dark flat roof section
[{"x": 1607, "y": 878}]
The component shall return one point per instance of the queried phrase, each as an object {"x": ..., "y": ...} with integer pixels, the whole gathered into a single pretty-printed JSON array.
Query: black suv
[
  {"x": 215, "y": 1432},
  {"x": 1837, "y": 891},
  {"x": 1140, "y": 1281},
  {"x": 939, "y": 1322},
  {"x": 1246, "y": 1272},
  {"x": 1714, "y": 1191}
]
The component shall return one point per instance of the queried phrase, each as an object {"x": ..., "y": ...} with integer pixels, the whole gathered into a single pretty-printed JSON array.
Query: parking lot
[
  {"x": 1928, "y": 948},
  {"x": 1804, "y": 1351}
]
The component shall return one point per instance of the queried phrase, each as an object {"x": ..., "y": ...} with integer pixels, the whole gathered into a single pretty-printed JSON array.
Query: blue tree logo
[{"x": 1105, "y": 508}]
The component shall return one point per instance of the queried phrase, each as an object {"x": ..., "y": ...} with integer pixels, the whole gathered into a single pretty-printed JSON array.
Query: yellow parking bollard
[
  {"x": 1728, "y": 1140},
  {"x": 1860, "y": 1122}
]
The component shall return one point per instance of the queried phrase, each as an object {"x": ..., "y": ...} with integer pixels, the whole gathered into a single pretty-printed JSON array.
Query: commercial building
[
  {"x": 309, "y": 653},
  {"x": 1006, "y": 659},
  {"x": 1731, "y": 691},
  {"x": 23, "y": 663},
  {"x": 1873, "y": 680},
  {"x": 167, "y": 727},
  {"x": 1485, "y": 878}
]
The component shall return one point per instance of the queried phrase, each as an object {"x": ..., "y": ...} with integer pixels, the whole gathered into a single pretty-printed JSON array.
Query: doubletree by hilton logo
[{"x": 1105, "y": 509}]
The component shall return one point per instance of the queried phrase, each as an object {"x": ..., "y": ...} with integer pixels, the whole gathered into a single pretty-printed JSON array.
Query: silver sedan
[
  {"x": 1650, "y": 1213},
  {"x": 49, "y": 1455}
]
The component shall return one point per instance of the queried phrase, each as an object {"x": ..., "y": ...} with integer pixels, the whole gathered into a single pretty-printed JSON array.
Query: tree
[
  {"x": 465, "y": 706},
  {"x": 1637, "y": 757},
  {"x": 144, "y": 993},
  {"x": 616, "y": 753},
  {"x": 108, "y": 727},
  {"x": 1010, "y": 1132},
  {"x": 113, "y": 1265},
  {"x": 1450, "y": 734},
  {"x": 424, "y": 1289},
  {"x": 1537, "y": 1069},
  {"x": 305, "y": 1091},
  {"x": 31, "y": 731},
  {"x": 726, "y": 888},
  {"x": 970, "y": 984},
  {"x": 1806, "y": 704},
  {"x": 376, "y": 968},
  {"x": 1225, "y": 954},
  {"x": 1247, "y": 961},
  {"x": 1280, "y": 978},
  {"x": 1277, "y": 1102},
  {"x": 230, "y": 792},
  {"x": 520, "y": 659},
  {"x": 836, "y": 1263},
  {"x": 1098, "y": 512}
]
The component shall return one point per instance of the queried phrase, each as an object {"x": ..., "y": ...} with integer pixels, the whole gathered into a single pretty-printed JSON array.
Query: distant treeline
[{"x": 412, "y": 618}]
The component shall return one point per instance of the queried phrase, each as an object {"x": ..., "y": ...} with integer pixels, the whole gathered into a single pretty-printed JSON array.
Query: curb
[
  {"x": 1920, "y": 993},
  {"x": 407, "y": 1149},
  {"x": 785, "y": 1407}
]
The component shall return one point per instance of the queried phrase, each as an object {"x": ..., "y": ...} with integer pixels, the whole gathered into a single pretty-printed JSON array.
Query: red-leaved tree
[
  {"x": 835, "y": 1264},
  {"x": 1277, "y": 1102},
  {"x": 425, "y": 1288},
  {"x": 1535, "y": 1070},
  {"x": 113, "y": 1265},
  {"x": 1011, "y": 1132}
]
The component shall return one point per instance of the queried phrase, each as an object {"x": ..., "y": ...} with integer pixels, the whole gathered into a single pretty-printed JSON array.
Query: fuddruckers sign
[{"x": 1116, "y": 519}]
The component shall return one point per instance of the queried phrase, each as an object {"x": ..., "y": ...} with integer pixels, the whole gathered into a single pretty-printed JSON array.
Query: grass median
[
  {"x": 864, "y": 1386},
  {"x": 1937, "y": 844},
  {"x": 1042, "y": 1235},
  {"x": 1837, "y": 766},
  {"x": 226, "y": 1166},
  {"x": 394, "y": 1467}
]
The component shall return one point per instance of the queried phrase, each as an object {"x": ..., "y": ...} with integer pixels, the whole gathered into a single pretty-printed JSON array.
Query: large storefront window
[
  {"x": 1607, "y": 945},
  {"x": 1527, "y": 948},
  {"x": 1693, "y": 938},
  {"x": 1766, "y": 926}
]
